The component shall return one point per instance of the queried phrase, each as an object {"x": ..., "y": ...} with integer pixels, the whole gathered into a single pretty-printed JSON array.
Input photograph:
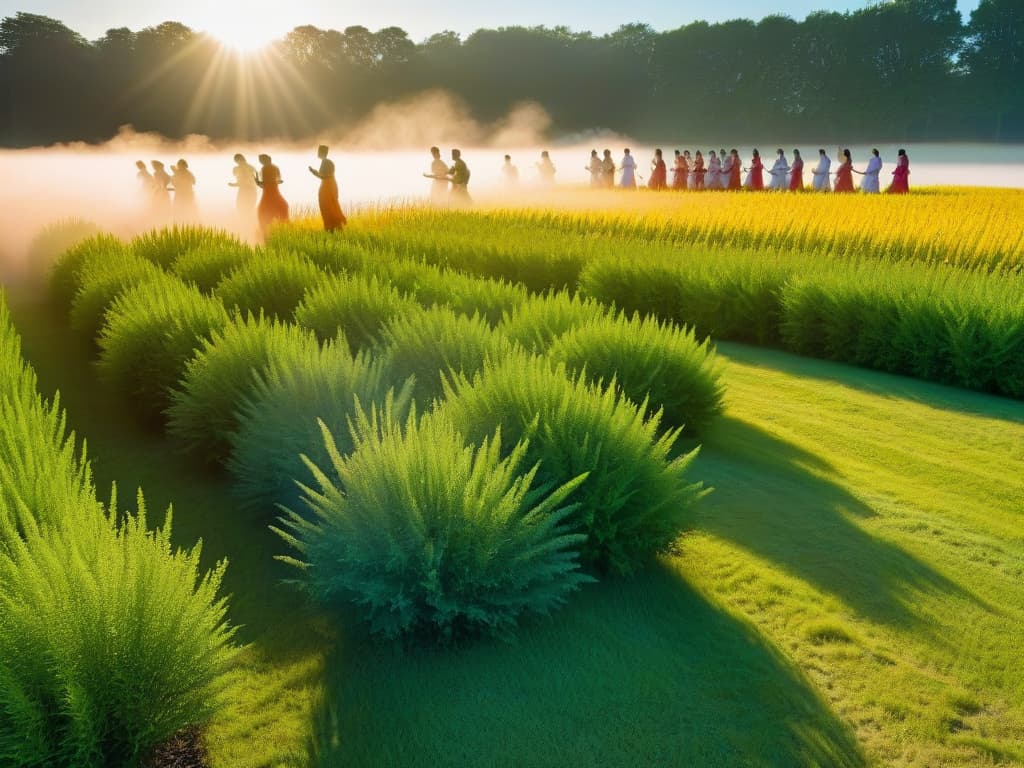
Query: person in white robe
[
  {"x": 779, "y": 171},
  {"x": 714, "y": 177},
  {"x": 726, "y": 169},
  {"x": 821, "y": 172},
  {"x": 691, "y": 176},
  {"x": 869, "y": 183},
  {"x": 628, "y": 167}
]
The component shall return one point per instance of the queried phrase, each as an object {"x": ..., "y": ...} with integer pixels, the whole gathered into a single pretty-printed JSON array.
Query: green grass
[{"x": 852, "y": 593}]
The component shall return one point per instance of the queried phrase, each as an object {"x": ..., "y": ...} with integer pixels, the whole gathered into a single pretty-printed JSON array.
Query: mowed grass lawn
[{"x": 852, "y": 593}]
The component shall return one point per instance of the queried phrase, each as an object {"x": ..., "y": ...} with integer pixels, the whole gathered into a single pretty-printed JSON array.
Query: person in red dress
[
  {"x": 755, "y": 173},
  {"x": 735, "y": 170},
  {"x": 679, "y": 171},
  {"x": 273, "y": 207},
  {"x": 698, "y": 171},
  {"x": 659, "y": 174},
  {"x": 844, "y": 176},
  {"x": 900, "y": 177},
  {"x": 796, "y": 180},
  {"x": 330, "y": 208}
]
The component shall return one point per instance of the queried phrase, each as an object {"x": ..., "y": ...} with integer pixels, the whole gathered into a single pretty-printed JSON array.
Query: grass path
[{"x": 853, "y": 593}]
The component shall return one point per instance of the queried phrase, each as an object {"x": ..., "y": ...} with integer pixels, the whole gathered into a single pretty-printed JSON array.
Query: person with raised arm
[
  {"x": 459, "y": 174},
  {"x": 735, "y": 168},
  {"x": 330, "y": 208},
  {"x": 272, "y": 207},
  {"x": 714, "y": 176},
  {"x": 608, "y": 170},
  {"x": 844, "y": 174},
  {"x": 755, "y": 173},
  {"x": 779, "y": 171},
  {"x": 546, "y": 169},
  {"x": 245, "y": 182},
  {"x": 595, "y": 169},
  {"x": 821, "y": 173},
  {"x": 679, "y": 171},
  {"x": 628, "y": 168},
  {"x": 796, "y": 172},
  {"x": 439, "y": 174},
  {"x": 659, "y": 172},
  {"x": 699, "y": 172},
  {"x": 869, "y": 184},
  {"x": 901, "y": 176}
]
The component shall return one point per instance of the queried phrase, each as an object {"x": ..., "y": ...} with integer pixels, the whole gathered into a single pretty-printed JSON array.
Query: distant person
[
  {"x": 901, "y": 176},
  {"x": 509, "y": 173},
  {"x": 546, "y": 169},
  {"x": 628, "y": 168},
  {"x": 714, "y": 175},
  {"x": 245, "y": 182},
  {"x": 821, "y": 173},
  {"x": 691, "y": 177},
  {"x": 869, "y": 184},
  {"x": 145, "y": 179},
  {"x": 608, "y": 169},
  {"x": 755, "y": 173},
  {"x": 725, "y": 172},
  {"x": 596, "y": 170},
  {"x": 796, "y": 173},
  {"x": 679, "y": 171},
  {"x": 184, "y": 192},
  {"x": 735, "y": 168},
  {"x": 779, "y": 171},
  {"x": 161, "y": 188},
  {"x": 459, "y": 174},
  {"x": 273, "y": 207},
  {"x": 844, "y": 174},
  {"x": 439, "y": 173},
  {"x": 330, "y": 208},
  {"x": 659, "y": 172},
  {"x": 699, "y": 172}
]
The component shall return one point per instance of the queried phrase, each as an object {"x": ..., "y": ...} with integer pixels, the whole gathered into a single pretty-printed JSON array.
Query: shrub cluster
[
  {"x": 65, "y": 279},
  {"x": 537, "y": 322},
  {"x": 102, "y": 278},
  {"x": 206, "y": 265},
  {"x": 273, "y": 284},
  {"x": 357, "y": 305},
  {"x": 163, "y": 247}
]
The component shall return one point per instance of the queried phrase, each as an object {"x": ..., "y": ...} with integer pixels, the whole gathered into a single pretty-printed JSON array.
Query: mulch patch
[{"x": 183, "y": 750}]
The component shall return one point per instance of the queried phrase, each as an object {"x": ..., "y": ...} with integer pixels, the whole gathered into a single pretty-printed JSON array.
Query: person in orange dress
[
  {"x": 755, "y": 173},
  {"x": 844, "y": 176},
  {"x": 659, "y": 174},
  {"x": 273, "y": 207},
  {"x": 330, "y": 208}
]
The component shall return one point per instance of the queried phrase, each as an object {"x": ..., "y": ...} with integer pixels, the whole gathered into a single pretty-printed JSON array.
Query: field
[{"x": 849, "y": 592}]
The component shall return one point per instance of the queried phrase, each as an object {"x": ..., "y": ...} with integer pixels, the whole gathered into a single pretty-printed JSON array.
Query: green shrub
[
  {"x": 208, "y": 264},
  {"x": 431, "y": 538},
  {"x": 324, "y": 249},
  {"x": 465, "y": 294},
  {"x": 102, "y": 279},
  {"x": 64, "y": 276},
  {"x": 541, "y": 319},
  {"x": 204, "y": 409},
  {"x": 273, "y": 284},
  {"x": 56, "y": 239},
  {"x": 164, "y": 246},
  {"x": 358, "y": 305},
  {"x": 151, "y": 332},
  {"x": 277, "y": 421},
  {"x": 636, "y": 500},
  {"x": 434, "y": 343}
]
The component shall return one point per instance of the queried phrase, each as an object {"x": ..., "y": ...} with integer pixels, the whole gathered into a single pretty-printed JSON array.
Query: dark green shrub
[
  {"x": 636, "y": 500},
  {"x": 164, "y": 246},
  {"x": 273, "y": 284},
  {"x": 432, "y": 538},
  {"x": 208, "y": 264},
  {"x": 649, "y": 360},
  {"x": 204, "y": 409},
  {"x": 358, "y": 305},
  {"x": 64, "y": 276},
  {"x": 102, "y": 279},
  {"x": 538, "y": 321}
]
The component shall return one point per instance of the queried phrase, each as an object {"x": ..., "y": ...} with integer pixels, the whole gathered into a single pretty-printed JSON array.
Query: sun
[{"x": 244, "y": 33}]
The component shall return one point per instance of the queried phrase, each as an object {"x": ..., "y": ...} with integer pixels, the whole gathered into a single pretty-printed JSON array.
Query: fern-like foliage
[
  {"x": 273, "y": 284},
  {"x": 165, "y": 246},
  {"x": 357, "y": 305},
  {"x": 431, "y": 538},
  {"x": 55, "y": 239},
  {"x": 102, "y": 278},
  {"x": 65, "y": 280},
  {"x": 537, "y": 322},
  {"x": 206, "y": 265}
]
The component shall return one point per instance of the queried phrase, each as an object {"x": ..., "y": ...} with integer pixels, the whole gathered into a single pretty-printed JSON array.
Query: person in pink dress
[
  {"x": 796, "y": 178},
  {"x": 900, "y": 177},
  {"x": 844, "y": 176},
  {"x": 755, "y": 173},
  {"x": 659, "y": 173}
]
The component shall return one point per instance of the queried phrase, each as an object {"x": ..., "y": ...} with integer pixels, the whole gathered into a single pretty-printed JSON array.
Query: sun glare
[{"x": 245, "y": 35}]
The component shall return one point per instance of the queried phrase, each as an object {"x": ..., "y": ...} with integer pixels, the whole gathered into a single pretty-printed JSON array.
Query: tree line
[{"x": 901, "y": 70}]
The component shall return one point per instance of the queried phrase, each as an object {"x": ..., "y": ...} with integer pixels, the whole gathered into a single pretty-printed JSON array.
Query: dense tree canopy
[{"x": 899, "y": 70}]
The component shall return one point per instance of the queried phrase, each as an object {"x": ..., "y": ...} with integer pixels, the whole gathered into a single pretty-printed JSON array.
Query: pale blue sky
[{"x": 265, "y": 18}]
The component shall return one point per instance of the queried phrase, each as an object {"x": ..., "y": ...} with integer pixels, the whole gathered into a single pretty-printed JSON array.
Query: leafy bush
[
  {"x": 431, "y": 344},
  {"x": 431, "y": 537},
  {"x": 152, "y": 331},
  {"x": 330, "y": 253},
  {"x": 357, "y": 305},
  {"x": 658, "y": 362},
  {"x": 56, "y": 239},
  {"x": 538, "y": 321},
  {"x": 102, "y": 279},
  {"x": 165, "y": 246},
  {"x": 273, "y": 284},
  {"x": 463, "y": 293},
  {"x": 277, "y": 421},
  {"x": 64, "y": 277},
  {"x": 636, "y": 500},
  {"x": 208, "y": 264},
  {"x": 203, "y": 413}
]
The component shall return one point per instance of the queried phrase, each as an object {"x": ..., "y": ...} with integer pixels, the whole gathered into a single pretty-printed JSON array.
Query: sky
[{"x": 257, "y": 21}]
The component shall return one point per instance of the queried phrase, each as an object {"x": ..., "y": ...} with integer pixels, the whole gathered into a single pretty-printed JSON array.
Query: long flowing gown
[
  {"x": 778, "y": 173},
  {"x": 659, "y": 176},
  {"x": 869, "y": 184},
  {"x": 821, "y": 183},
  {"x": 161, "y": 194},
  {"x": 900, "y": 181},
  {"x": 796, "y": 178},
  {"x": 628, "y": 165},
  {"x": 844, "y": 177},
  {"x": 330, "y": 208},
  {"x": 596, "y": 172},
  {"x": 714, "y": 179},
  {"x": 273, "y": 207},
  {"x": 245, "y": 181},
  {"x": 698, "y": 174},
  {"x": 184, "y": 194},
  {"x": 608, "y": 172},
  {"x": 734, "y": 174},
  {"x": 756, "y": 175},
  {"x": 439, "y": 186},
  {"x": 679, "y": 173}
]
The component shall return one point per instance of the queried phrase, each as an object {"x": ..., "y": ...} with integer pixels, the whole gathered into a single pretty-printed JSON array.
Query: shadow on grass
[
  {"x": 774, "y": 500},
  {"x": 637, "y": 672}
]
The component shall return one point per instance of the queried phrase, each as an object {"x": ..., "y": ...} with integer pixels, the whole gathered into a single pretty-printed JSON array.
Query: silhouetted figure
[
  {"x": 681, "y": 171},
  {"x": 184, "y": 192},
  {"x": 273, "y": 207},
  {"x": 145, "y": 180},
  {"x": 161, "y": 187},
  {"x": 509, "y": 173},
  {"x": 608, "y": 169},
  {"x": 901, "y": 176},
  {"x": 596, "y": 170},
  {"x": 330, "y": 208},
  {"x": 439, "y": 173},
  {"x": 458, "y": 174},
  {"x": 659, "y": 172},
  {"x": 245, "y": 181},
  {"x": 546, "y": 169}
]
